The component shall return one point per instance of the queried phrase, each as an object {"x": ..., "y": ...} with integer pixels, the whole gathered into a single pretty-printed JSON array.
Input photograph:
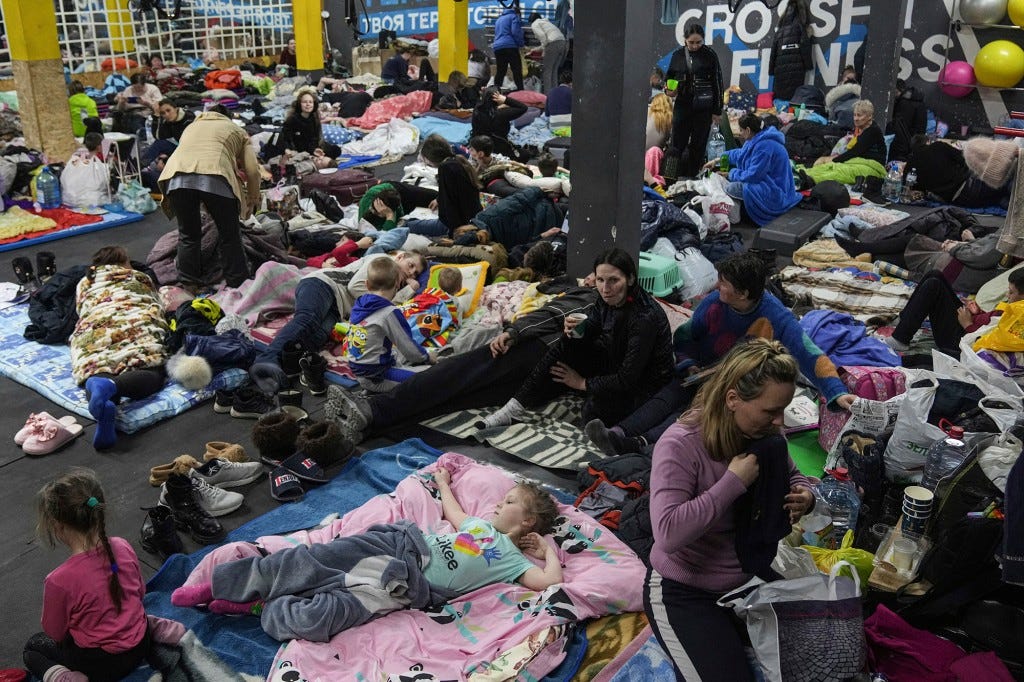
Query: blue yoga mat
[
  {"x": 109, "y": 220},
  {"x": 241, "y": 642}
]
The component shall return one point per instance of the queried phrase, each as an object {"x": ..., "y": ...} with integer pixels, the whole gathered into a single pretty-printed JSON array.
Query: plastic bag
[
  {"x": 997, "y": 458},
  {"x": 717, "y": 207},
  {"x": 826, "y": 559},
  {"x": 697, "y": 273},
  {"x": 793, "y": 562},
  {"x": 908, "y": 446},
  {"x": 85, "y": 182},
  {"x": 135, "y": 198},
  {"x": 663, "y": 247},
  {"x": 1008, "y": 334}
]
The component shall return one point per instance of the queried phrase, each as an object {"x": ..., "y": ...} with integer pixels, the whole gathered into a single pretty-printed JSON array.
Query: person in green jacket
[
  {"x": 381, "y": 206},
  {"x": 80, "y": 103}
]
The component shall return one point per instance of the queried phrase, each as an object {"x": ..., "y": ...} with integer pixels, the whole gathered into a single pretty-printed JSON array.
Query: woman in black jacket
[
  {"x": 458, "y": 190},
  {"x": 791, "y": 50},
  {"x": 698, "y": 97},
  {"x": 301, "y": 131},
  {"x": 618, "y": 355},
  {"x": 867, "y": 142},
  {"x": 493, "y": 116},
  {"x": 167, "y": 126}
]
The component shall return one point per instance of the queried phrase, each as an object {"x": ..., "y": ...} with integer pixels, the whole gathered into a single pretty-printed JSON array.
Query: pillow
[{"x": 474, "y": 276}]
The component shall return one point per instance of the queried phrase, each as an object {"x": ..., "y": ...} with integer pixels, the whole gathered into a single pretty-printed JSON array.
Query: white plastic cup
[
  {"x": 903, "y": 551},
  {"x": 580, "y": 319}
]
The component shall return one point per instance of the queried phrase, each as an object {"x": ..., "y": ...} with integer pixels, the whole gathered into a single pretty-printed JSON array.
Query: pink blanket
[
  {"x": 477, "y": 632},
  {"x": 399, "y": 106}
]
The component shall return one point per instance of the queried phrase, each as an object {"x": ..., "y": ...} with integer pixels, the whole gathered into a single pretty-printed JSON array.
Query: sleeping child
[
  {"x": 376, "y": 327},
  {"x": 436, "y": 313},
  {"x": 314, "y": 592}
]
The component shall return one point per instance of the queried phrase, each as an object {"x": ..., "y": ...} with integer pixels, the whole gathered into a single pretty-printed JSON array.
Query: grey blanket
[{"x": 315, "y": 592}]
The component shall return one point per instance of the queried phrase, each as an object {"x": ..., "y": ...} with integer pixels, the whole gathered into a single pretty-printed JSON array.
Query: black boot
[
  {"x": 313, "y": 368},
  {"x": 290, "y": 361},
  {"x": 188, "y": 514},
  {"x": 23, "y": 271},
  {"x": 158, "y": 534},
  {"x": 46, "y": 265}
]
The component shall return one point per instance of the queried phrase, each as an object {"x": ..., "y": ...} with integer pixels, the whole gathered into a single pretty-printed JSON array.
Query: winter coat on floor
[
  {"x": 519, "y": 218},
  {"x": 791, "y": 56},
  {"x": 978, "y": 260},
  {"x": 807, "y": 140},
  {"x": 659, "y": 218},
  {"x": 839, "y": 101},
  {"x": 762, "y": 165},
  {"x": 121, "y": 323},
  {"x": 909, "y": 118},
  {"x": 51, "y": 310}
]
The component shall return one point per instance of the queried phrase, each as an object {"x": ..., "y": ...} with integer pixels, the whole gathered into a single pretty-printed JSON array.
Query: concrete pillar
[
  {"x": 614, "y": 53},
  {"x": 122, "y": 30},
  {"x": 39, "y": 77},
  {"x": 882, "y": 56},
  {"x": 452, "y": 37},
  {"x": 309, "y": 34}
]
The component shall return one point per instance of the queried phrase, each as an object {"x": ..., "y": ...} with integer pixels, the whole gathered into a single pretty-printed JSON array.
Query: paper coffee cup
[
  {"x": 580, "y": 319},
  {"x": 918, "y": 496},
  {"x": 913, "y": 525}
]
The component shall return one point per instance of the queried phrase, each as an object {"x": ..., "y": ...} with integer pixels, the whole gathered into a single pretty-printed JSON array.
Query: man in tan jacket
[{"x": 214, "y": 165}]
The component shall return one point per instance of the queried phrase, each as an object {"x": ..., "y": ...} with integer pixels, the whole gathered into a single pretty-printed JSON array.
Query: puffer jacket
[
  {"x": 548, "y": 322},
  {"x": 518, "y": 218},
  {"x": 791, "y": 56},
  {"x": 659, "y": 218},
  {"x": 806, "y": 141}
]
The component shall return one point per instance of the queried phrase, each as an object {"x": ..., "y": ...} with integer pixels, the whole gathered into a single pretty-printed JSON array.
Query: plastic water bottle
[
  {"x": 47, "y": 189},
  {"x": 892, "y": 188},
  {"x": 944, "y": 457},
  {"x": 839, "y": 492},
  {"x": 716, "y": 143},
  {"x": 908, "y": 185}
]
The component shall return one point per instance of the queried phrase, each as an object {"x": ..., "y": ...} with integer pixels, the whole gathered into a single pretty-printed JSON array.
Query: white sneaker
[
  {"x": 225, "y": 474},
  {"x": 215, "y": 501}
]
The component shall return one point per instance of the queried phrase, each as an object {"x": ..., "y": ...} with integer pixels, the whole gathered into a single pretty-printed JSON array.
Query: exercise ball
[
  {"x": 954, "y": 76},
  {"x": 1000, "y": 64},
  {"x": 1015, "y": 8},
  {"x": 983, "y": 11}
]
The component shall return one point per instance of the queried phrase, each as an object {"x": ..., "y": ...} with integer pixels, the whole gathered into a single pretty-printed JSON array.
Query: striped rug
[{"x": 550, "y": 438}]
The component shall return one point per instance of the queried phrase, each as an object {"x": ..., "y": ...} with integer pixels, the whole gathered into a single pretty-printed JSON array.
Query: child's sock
[
  {"x": 101, "y": 406},
  {"x": 165, "y": 630},
  {"x": 193, "y": 595},
  {"x": 509, "y": 413},
  {"x": 59, "y": 673},
  {"x": 234, "y": 608}
]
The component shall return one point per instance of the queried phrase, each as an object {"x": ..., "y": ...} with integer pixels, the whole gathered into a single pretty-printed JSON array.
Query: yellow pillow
[{"x": 474, "y": 276}]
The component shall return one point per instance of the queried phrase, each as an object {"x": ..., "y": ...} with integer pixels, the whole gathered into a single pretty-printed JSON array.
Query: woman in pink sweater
[{"x": 703, "y": 472}]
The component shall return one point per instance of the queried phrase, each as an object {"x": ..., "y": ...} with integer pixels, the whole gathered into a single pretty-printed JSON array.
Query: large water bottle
[
  {"x": 716, "y": 143},
  {"x": 892, "y": 188},
  {"x": 839, "y": 492},
  {"x": 908, "y": 185},
  {"x": 47, "y": 189},
  {"x": 944, "y": 457}
]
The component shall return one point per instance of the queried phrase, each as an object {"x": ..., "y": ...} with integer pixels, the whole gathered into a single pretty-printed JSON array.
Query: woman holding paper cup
[
  {"x": 619, "y": 355},
  {"x": 722, "y": 460}
]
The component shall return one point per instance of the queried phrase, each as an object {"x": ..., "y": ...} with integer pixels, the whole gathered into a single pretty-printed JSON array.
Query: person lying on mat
[
  {"x": 710, "y": 471},
  {"x": 739, "y": 307},
  {"x": 618, "y": 353},
  {"x": 304, "y": 592}
]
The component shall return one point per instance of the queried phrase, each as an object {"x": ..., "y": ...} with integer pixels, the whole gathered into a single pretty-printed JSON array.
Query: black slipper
[
  {"x": 285, "y": 486},
  {"x": 305, "y": 467}
]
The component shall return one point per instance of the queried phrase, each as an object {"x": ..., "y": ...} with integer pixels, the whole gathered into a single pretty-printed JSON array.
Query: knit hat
[
  {"x": 324, "y": 443},
  {"x": 274, "y": 436},
  {"x": 991, "y": 160}
]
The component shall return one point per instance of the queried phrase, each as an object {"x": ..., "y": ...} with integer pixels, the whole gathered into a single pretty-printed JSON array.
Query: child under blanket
[{"x": 314, "y": 592}]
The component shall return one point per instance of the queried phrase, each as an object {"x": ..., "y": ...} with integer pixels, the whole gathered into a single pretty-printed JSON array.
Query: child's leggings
[{"x": 42, "y": 653}]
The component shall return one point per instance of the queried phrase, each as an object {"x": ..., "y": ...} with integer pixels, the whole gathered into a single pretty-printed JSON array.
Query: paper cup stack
[{"x": 917, "y": 507}]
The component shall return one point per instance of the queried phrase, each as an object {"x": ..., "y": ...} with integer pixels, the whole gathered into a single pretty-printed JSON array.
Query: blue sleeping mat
[{"x": 47, "y": 371}]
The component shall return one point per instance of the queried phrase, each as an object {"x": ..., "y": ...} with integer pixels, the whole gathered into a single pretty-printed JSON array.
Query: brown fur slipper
[
  {"x": 232, "y": 452},
  {"x": 324, "y": 442},
  {"x": 274, "y": 436},
  {"x": 158, "y": 475}
]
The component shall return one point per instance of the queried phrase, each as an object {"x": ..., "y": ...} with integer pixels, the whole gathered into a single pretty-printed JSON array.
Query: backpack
[{"x": 223, "y": 80}]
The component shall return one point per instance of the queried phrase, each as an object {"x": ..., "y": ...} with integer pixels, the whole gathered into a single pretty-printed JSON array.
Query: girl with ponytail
[{"x": 94, "y": 624}]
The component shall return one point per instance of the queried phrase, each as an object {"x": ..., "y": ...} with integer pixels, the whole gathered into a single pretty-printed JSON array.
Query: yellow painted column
[
  {"x": 452, "y": 37},
  {"x": 122, "y": 30},
  {"x": 309, "y": 34},
  {"x": 39, "y": 77}
]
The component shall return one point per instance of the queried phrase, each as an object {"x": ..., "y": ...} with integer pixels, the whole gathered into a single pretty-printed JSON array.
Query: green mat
[{"x": 807, "y": 453}]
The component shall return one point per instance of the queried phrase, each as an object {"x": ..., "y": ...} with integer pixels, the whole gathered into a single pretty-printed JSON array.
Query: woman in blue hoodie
[
  {"x": 759, "y": 172},
  {"x": 508, "y": 39}
]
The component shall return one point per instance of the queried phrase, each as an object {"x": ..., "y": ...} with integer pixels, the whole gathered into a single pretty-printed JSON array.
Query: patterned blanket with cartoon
[{"x": 494, "y": 633}]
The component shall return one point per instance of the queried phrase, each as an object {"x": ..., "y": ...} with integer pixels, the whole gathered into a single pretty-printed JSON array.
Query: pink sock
[
  {"x": 193, "y": 595},
  {"x": 164, "y": 630},
  {"x": 234, "y": 608},
  {"x": 59, "y": 673}
]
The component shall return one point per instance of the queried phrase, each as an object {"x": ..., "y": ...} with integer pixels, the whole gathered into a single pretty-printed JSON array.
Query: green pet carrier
[{"x": 659, "y": 276}]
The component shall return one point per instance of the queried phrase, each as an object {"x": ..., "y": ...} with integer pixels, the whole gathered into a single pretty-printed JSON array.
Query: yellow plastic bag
[
  {"x": 1008, "y": 336},
  {"x": 861, "y": 559}
]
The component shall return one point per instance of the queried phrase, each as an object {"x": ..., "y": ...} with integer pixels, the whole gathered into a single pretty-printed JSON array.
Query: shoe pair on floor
[
  {"x": 299, "y": 454},
  {"x": 46, "y": 267},
  {"x": 43, "y": 434}
]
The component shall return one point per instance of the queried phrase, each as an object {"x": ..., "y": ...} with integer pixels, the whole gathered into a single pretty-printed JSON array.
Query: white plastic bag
[
  {"x": 793, "y": 562},
  {"x": 85, "y": 182},
  {"x": 663, "y": 247},
  {"x": 908, "y": 446},
  {"x": 698, "y": 274}
]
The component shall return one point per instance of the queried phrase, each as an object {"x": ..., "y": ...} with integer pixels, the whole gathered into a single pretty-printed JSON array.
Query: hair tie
[
  {"x": 91, "y": 502},
  {"x": 113, "y": 567}
]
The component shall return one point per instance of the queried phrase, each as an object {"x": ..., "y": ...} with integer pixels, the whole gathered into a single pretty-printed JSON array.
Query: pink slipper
[
  {"x": 22, "y": 435},
  {"x": 234, "y": 608},
  {"x": 47, "y": 437},
  {"x": 193, "y": 595}
]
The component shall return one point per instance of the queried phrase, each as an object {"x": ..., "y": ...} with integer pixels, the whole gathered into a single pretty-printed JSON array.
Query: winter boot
[
  {"x": 158, "y": 534},
  {"x": 324, "y": 442},
  {"x": 313, "y": 367},
  {"x": 46, "y": 265},
  {"x": 188, "y": 513},
  {"x": 290, "y": 357}
]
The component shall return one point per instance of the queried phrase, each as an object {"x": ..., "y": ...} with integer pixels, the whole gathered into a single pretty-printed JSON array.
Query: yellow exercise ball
[
  {"x": 1015, "y": 8},
  {"x": 1000, "y": 64}
]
